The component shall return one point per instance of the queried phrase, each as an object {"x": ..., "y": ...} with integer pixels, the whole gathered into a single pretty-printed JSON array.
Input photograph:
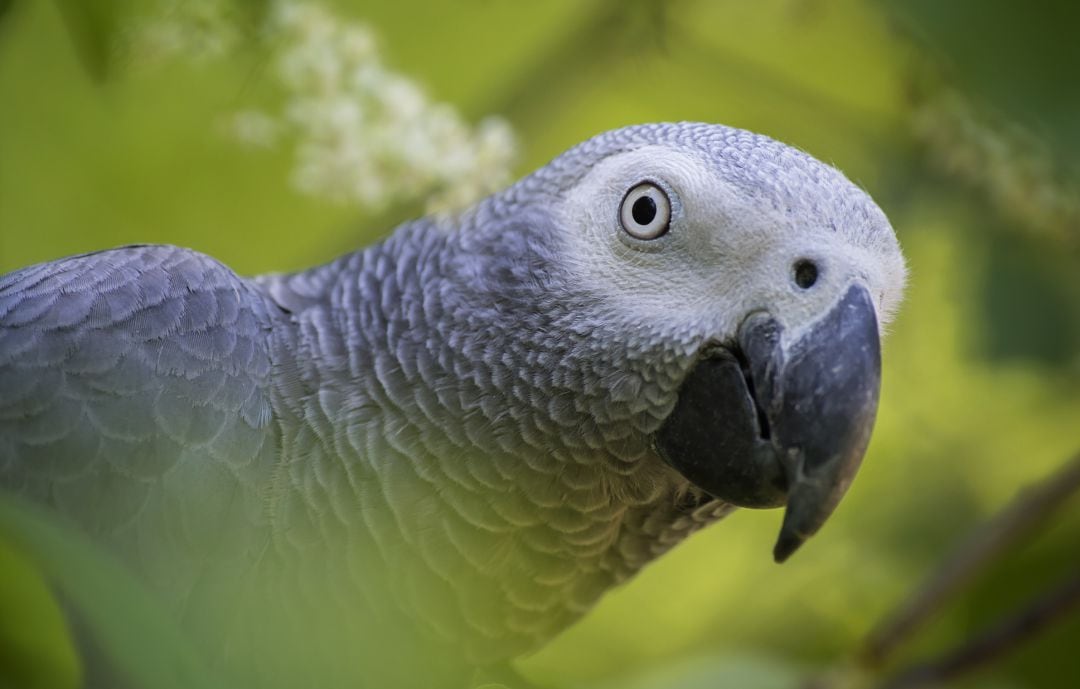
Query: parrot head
[{"x": 761, "y": 279}]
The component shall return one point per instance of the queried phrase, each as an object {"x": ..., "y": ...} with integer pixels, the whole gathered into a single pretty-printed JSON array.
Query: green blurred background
[{"x": 962, "y": 119}]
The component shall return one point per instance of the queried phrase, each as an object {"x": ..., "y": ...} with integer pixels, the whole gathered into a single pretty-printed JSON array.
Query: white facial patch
[{"x": 729, "y": 251}]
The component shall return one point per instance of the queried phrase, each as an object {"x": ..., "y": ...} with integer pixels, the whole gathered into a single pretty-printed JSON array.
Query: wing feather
[{"x": 135, "y": 399}]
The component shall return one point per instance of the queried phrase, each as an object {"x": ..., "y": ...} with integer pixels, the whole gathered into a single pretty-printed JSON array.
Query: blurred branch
[
  {"x": 991, "y": 113},
  {"x": 760, "y": 77},
  {"x": 598, "y": 37},
  {"x": 1004, "y": 161},
  {"x": 1031, "y": 508},
  {"x": 616, "y": 31},
  {"x": 992, "y": 644}
]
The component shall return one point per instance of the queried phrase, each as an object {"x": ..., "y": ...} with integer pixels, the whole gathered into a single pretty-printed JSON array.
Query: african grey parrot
[{"x": 434, "y": 454}]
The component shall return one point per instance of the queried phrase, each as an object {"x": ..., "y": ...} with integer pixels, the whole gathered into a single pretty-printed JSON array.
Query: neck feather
[{"x": 454, "y": 385}]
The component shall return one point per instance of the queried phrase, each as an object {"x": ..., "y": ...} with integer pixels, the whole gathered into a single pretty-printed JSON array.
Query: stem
[
  {"x": 991, "y": 645},
  {"x": 1031, "y": 508}
]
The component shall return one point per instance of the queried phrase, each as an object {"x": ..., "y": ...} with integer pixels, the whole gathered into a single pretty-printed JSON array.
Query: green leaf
[
  {"x": 127, "y": 624},
  {"x": 92, "y": 27},
  {"x": 36, "y": 651}
]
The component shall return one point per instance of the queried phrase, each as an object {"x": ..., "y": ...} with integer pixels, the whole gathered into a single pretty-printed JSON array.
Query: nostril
[{"x": 806, "y": 273}]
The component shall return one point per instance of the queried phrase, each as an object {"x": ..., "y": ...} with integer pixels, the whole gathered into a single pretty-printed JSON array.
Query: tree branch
[
  {"x": 992, "y": 644},
  {"x": 1031, "y": 508}
]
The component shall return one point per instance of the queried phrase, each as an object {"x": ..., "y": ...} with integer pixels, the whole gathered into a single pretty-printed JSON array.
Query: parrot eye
[
  {"x": 645, "y": 212},
  {"x": 806, "y": 273}
]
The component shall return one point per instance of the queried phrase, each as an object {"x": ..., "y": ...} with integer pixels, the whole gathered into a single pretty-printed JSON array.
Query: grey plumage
[{"x": 444, "y": 440}]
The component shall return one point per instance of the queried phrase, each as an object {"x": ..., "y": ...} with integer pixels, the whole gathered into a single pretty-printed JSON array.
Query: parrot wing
[{"x": 135, "y": 400}]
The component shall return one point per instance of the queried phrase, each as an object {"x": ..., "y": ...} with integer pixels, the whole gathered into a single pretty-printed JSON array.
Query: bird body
[{"x": 441, "y": 450}]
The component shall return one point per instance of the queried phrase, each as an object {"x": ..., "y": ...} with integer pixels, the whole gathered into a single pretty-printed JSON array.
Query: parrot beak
[{"x": 759, "y": 425}]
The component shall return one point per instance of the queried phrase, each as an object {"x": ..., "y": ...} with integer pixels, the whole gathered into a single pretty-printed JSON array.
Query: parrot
[{"x": 410, "y": 465}]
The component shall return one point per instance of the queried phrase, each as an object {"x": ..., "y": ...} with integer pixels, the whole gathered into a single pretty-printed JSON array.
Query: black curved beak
[{"x": 760, "y": 425}]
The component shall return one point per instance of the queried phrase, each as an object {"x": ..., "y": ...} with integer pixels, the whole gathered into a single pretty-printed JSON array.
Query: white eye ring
[{"x": 645, "y": 211}]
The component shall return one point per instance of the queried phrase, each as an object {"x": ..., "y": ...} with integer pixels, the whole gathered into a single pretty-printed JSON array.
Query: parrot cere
[{"x": 434, "y": 454}]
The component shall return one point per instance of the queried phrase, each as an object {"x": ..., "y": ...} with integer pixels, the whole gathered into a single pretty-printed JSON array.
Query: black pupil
[
  {"x": 805, "y": 273},
  {"x": 644, "y": 210}
]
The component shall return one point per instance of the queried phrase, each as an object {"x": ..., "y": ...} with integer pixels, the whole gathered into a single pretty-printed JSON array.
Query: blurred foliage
[
  {"x": 91, "y": 26},
  {"x": 37, "y": 651},
  {"x": 1021, "y": 62},
  {"x": 126, "y": 624},
  {"x": 962, "y": 119}
]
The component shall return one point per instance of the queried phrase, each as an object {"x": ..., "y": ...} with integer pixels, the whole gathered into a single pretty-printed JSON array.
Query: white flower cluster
[
  {"x": 361, "y": 132},
  {"x": 200, "y": 30},
  {"x": 366, "y": 134}
]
